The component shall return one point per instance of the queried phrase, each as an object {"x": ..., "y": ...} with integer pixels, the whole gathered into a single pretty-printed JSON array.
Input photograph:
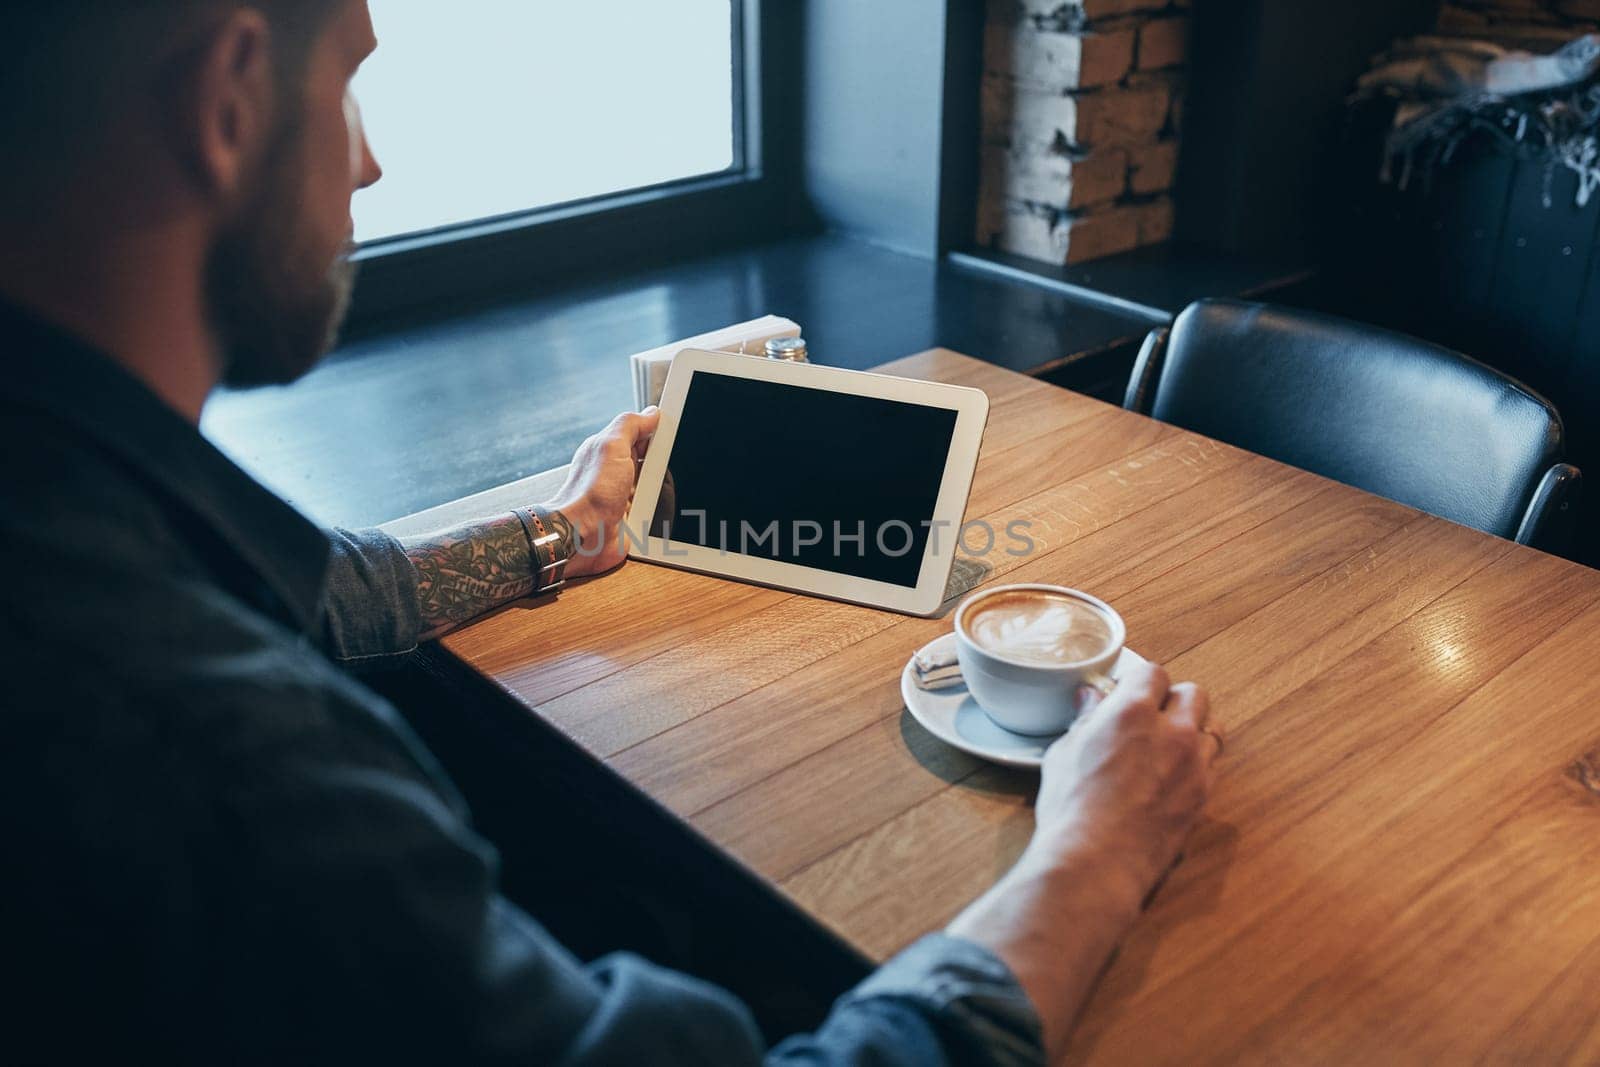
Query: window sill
[
  {"x": 433, "y": 410},
  {"x": 399, "y": 421}
]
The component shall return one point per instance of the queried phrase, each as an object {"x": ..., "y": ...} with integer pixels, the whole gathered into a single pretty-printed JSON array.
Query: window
[{"x": 483, "y": 109}]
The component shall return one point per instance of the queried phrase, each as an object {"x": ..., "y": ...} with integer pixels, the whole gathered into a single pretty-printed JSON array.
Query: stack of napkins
[{"x": 747, "y": 338}]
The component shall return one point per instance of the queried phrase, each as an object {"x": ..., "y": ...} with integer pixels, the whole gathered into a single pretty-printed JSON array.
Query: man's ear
[{"x": 228, "y": 102}]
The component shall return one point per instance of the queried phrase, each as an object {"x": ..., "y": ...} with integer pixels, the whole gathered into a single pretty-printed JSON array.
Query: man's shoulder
[
  {"x": 103, "y": 564},
  {"x": 119, "y": 643},
  {"x": 111, "y": 617},
  {"x": 64, "y": 491},
  {"x": 97, "y": 568}
]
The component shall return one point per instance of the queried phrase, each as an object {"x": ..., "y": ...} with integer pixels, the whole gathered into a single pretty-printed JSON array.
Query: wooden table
[{"x": 1399, "y": 862}]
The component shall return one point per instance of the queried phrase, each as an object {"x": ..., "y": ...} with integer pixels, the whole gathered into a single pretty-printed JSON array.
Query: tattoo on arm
[{"x": 465, "y": 571}]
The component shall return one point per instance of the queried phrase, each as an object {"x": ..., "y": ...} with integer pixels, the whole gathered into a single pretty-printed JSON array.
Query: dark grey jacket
[{"x": 224, "y": 848}]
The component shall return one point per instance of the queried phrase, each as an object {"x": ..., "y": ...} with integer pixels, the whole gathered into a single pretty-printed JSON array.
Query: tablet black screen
[{"x": 841, "y": 483}]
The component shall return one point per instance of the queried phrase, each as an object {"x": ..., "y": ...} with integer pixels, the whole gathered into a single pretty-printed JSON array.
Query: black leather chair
[{"x": 1374, "y": 409}]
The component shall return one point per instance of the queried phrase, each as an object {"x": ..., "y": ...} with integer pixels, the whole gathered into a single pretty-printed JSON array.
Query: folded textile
[
  {"x": 1547, "y": 107},
  {"x": 1449, "y": 67},
  {"x": 1522, "y": 72}
]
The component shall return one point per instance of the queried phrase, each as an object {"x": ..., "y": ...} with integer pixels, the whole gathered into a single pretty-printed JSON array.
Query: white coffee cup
[{"x": 1025, "y": 679}]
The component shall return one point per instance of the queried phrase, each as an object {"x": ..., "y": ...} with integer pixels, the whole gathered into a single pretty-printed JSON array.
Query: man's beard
[{"x": 275, "y": 309}]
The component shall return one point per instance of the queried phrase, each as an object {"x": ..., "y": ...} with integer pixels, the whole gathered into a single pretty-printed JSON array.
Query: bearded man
[{"x": 224, "y": 848}]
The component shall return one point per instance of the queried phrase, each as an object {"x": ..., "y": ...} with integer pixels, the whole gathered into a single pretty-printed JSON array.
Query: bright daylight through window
[{"x": 484, "y": 108}]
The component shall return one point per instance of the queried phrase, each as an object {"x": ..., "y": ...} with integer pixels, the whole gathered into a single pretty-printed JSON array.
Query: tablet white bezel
[{"x": 972, "y": 412}]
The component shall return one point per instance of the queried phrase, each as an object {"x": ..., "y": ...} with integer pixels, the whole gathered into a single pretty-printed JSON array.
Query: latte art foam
[{"x": 1038, "y": 627}]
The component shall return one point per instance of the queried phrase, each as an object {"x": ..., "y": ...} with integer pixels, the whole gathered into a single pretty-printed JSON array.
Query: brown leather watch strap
[{"x": 548, "y": 548}]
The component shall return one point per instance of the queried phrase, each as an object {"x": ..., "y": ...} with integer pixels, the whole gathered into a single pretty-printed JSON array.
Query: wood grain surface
[{"x": 1398, "y": 862}]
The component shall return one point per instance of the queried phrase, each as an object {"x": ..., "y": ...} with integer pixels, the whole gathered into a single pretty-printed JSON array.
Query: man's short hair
[{"x": 72, "y": 70}]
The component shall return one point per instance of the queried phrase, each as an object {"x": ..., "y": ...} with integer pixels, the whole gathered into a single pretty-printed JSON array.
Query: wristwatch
[{"x": 550, "y": 546}]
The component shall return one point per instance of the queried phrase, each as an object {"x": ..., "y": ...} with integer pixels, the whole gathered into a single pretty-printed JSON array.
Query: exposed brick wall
[{"x": 1081, "y": 106}]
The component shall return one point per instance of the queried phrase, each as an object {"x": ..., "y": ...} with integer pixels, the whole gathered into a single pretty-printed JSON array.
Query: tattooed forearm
[{"x": 465, "y": 571}]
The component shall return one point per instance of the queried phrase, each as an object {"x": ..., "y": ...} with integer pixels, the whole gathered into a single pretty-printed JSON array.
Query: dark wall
[
  {"x": 890, "y": 125},
  {"x": 872, "y": 125},
  {"x": 1264, "y": 118}
]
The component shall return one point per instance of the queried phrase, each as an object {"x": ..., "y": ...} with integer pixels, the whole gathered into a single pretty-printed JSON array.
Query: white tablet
[{"x": 832, "y": 482}]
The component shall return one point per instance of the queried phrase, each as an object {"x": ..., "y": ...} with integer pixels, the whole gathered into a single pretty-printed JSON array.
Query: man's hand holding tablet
[{"x": 599, "y": 489}]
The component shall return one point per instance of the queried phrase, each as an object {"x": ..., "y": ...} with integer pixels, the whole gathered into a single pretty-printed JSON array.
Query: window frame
[{"x": 412, "y": 275}]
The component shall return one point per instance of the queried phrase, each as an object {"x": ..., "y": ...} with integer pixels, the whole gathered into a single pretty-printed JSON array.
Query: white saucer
[{"x": 951, "y": 715}]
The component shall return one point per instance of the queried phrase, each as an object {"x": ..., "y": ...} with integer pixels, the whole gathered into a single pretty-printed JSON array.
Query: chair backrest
[{"x": 1387, "y": 413}]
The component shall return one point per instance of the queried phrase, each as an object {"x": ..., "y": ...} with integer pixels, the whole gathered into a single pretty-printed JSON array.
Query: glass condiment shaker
[{"x": 792, "y": 349}]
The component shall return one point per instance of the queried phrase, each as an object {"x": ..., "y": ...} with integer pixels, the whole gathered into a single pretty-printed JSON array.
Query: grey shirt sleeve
[
  {"x": 941, "y": 1001},
  {"x": 370, "y": 609},
  {"x": 369, "y": 886}
]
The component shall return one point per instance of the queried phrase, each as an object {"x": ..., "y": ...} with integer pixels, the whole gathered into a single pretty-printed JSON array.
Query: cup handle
[{"x": 1099, "y": 682}]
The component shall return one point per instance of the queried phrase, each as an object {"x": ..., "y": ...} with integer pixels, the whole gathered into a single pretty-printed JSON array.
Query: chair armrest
[
  {"x": 1141, "y": 394},
  {"x": 1552, "y": 514}
]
